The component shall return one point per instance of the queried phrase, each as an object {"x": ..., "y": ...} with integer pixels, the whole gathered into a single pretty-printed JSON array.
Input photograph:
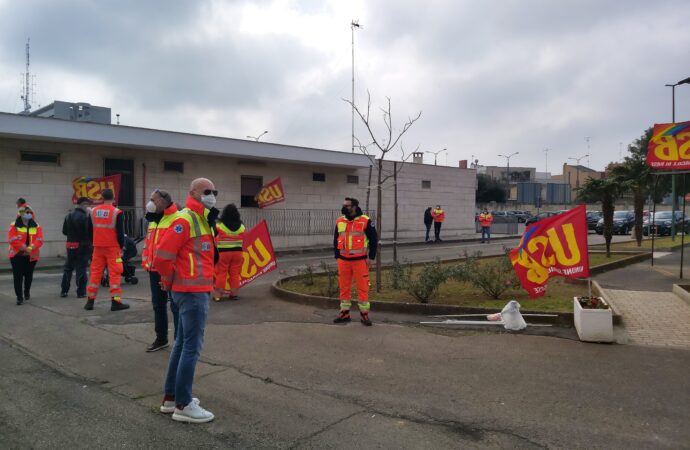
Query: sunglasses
[{"x": 211, "y": 191}]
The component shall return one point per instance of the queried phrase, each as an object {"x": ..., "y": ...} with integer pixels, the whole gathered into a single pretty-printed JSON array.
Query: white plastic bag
[{"x": 512, "y": 319}]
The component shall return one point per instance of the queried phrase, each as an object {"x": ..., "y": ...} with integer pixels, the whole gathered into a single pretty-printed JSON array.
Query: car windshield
[
  {"x": 663, "y": 215},
  {"x": 621, "y": 214}
]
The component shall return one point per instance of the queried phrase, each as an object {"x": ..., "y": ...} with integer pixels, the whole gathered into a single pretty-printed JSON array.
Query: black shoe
[
  {"x": 157, "y": 345},
  {"x": 364, "y": 318},
  {"x": 63, "y": 294},
  {"x": 20, "y": 300},
  {"x": 79, "y": 295},
  {"x": 27, "y": 296},
  {"x": 118, "y": 306},
  {"x": 343, "y": 317},
  {"x": 89, "y": 304}
]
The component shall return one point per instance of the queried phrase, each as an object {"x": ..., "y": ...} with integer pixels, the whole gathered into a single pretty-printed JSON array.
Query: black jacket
[
  {"x": 369, "y": 231},
  {"x": 75, "y": 226},
  {"x": 428, "y": 218}
]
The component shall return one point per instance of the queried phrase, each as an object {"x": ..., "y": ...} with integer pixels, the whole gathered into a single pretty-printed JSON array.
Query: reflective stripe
[
  {"x": 345, "y": 304},
  {"x": 364, "y": 306},
  {"x": 191, "y": 265},
  {"x": 162, "y": 254},
  {"x": 194, "y": 282},
  {"x": 93, "y": 286}
]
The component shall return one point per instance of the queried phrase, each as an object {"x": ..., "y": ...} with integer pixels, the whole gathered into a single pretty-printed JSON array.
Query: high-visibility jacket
[
  {"x": 17, "y": 236},
  {"x": 184, "y": 255},
  {"x": 438, "y": 214},
  {"x": 352, "y": 240},
  {"x": 154, "y": 233},
  {"x": 228, "y": 240},
  {"x": 485, "y": 219},
  {"x": 104, "y": 220}
]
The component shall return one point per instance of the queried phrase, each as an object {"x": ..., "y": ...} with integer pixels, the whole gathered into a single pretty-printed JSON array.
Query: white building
[{"x": 40, "y": 157}]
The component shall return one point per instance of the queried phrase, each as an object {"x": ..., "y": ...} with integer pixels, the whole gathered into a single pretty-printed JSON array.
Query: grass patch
[
  {"x": 559, "y": 295},
  {"x": 661, "y": 243}
]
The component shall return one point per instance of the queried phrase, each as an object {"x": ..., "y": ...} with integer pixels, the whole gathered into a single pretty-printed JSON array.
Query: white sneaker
[
  {"x": 193, "y": 413},
  {"x": 168, "y": 406}
]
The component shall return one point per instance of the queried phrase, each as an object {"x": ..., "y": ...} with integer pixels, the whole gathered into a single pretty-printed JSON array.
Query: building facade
[{"x": 40, "y": 157}]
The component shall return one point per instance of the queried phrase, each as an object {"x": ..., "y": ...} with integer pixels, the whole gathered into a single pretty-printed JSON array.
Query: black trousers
[
  {"x": 77, "y": 260},
  {"x": 23, "y": 274},
  {"x": 437, "y": 230}
]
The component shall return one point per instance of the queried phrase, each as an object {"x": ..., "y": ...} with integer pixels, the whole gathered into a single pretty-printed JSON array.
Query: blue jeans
[
  {"x": 193, "y": 310},
  {"x": 159, "y": 298},
  {"x": 428, "y": 229},
  {"x": 486, "y": 231},
  {"x": 77, "y": 259}
]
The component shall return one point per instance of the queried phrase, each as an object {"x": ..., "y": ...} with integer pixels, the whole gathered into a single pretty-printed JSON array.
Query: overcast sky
[{"x": 490, "y": 77}]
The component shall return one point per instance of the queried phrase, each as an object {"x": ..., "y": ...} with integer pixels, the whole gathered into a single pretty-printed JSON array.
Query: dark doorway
[
  {"x": 124, "y": 167},
  {"x": 250, "y": 186}
]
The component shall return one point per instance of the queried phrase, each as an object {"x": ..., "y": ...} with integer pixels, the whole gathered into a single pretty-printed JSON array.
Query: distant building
[
  {"x": 576, "y": 176},
  {"x": 79, "y": 112}
]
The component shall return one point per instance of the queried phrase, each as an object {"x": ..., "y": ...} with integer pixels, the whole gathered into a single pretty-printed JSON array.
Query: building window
[
  {"x": 40, "y": 158},
  {"x": 249, "y": 187},
  {"x": 352, "y": 179},
  {"x": 316, "y": 176},
  {"x": 173, "y": 166},
  {"x": 426, "y": 184}
]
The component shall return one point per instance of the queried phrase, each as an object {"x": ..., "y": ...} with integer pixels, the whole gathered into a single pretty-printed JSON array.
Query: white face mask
[
  {"x": 151, "y": 207},
  {"x": 208, "y": 201},
  {"x": 27, "y": 216}
]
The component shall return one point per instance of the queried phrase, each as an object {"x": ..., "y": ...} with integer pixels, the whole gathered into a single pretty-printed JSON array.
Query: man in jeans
[
  {"x": 184, "y": 259},
  {"x": 78, "y": 247}
]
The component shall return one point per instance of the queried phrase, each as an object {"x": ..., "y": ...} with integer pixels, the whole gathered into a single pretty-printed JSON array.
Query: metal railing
[
  {"x": 294, "y": 222},
  {"x": 501, "y": 225},
  {"x": 135, "y": 225}
]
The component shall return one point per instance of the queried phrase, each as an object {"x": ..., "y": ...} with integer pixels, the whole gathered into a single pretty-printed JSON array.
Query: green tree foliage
[
  {"x": 489, "y": 190},
  {"x": 606, "y": 191}
]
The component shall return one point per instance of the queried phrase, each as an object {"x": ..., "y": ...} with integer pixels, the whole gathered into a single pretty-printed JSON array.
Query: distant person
[
  {"x": 229, "y": 235},
  {"x": 78, "y": 247},
  {"x": 355, "y": 244},
  {"x": 161, "y": 212},
  {"x": 185, "y": 259},
  {"x": 106, "y": 227},
  {"x": 25, "y": 238},
  {"x": 20, "y": 202},
  {"x": 485, "y": 219},
  {"x": 428, "y": 220},
  {"x": 439, "y": 216}
]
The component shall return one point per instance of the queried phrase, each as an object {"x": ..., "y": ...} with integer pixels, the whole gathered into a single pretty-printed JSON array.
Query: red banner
[
  {"x": 669, "y": 147},
  {"x": 271, "y": 194},
  {"x": 555, "y": 246},
  {"x": 92, "y": 187},
  {"x": 259, "y": 257}
]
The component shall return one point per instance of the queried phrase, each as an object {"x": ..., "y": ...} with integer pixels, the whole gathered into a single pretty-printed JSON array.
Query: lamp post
[
  {"x": 546, "y": 160},
  {"x": 256, "y": 138},
  {"x": 436, "y": 154},
  {"x": 354, "y": 24},
  {"x": 577, "y": 168},
  {"x": 674, "y": 196},
  {"x": 507, "y": 157}
]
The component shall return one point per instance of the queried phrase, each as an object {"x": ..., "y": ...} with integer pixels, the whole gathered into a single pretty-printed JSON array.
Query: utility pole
[
  {"x": 587, "y": 138},
  {"x": 354, "y": 24},
  {"x": 546, "y": 159},
  {"x": 26, "y": 89},
  {"x": 507, "y": 157}
]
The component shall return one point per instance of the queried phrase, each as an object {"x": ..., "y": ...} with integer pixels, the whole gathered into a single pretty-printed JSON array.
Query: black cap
[{"x": 81, "y": 200}]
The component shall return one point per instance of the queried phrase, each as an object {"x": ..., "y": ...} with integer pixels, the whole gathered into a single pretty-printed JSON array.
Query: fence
[
  {"x": 501, "y": 225},
  {"x": 281, "y": 222}
]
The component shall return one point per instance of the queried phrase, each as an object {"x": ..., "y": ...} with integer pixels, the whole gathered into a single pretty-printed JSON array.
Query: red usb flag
[
  {"x": 669, "y": 147},
  {"x": 555, "y": 246},
  {"x": 92, "y": 187},
  {"x": 259, "y": 257},
  {"x": 271, "y": 194}
]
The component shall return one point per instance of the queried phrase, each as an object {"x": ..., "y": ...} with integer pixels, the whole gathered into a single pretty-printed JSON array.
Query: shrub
[
  {"x": 332, "y": 288},
  {"x": 425, "y": 285},
  {"x": 494, "y": 276},
  {"x": 400, "y": 274},
  {"x": 308, "y": 274}
]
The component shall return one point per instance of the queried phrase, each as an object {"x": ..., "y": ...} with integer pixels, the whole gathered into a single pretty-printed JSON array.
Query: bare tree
[{"x": 380, "y": 147}]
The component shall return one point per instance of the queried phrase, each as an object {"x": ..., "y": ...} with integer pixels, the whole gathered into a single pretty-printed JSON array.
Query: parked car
[
  {"x": 623, "y": 223},
  {"x": 592, "y": 219},
  {"x": 662, "y": 223},
  {"x": 521, "y": 216},
  {"x": 538, "y": 217}
]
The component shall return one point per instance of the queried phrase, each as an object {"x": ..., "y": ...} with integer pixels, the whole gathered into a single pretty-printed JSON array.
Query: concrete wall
[{"x": 48, "y": 187}]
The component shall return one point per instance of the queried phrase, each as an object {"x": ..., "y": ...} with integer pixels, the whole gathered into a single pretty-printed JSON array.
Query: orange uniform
[
  {"x": 154, "y": 234},
  {"x": 355, "y": 239},
  {"x": 106, "y": 249},
  {"x": 485, "y": 219},
  {"x": 230, "y": 260},
  {"x": 185, "y": 253},
  {"x": 438, "y": 214},
  {"x": 21, "y": 237}
]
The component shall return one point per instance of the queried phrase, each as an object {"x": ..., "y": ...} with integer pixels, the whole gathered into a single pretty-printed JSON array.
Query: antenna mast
[{"x": 27, "y": 89}]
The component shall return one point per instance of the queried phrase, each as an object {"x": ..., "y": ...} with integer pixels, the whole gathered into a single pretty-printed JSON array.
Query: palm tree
[{"x": 605, "y": 191}]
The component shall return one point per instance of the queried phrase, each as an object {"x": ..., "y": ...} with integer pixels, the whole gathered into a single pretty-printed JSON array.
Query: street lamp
[
  {"x": 674, "y": 196},
  {"x": 577, "y": 168},
  {"x": 354, "y": 24},
  {"x": 507, "y": 157},
  {"x": 256, "y": 138},
  {"x": 436, "y": 154}
]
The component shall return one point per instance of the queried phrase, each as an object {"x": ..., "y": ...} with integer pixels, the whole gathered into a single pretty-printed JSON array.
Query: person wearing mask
[
  {"x": 25, "y": 238},
  {"x": 229, "y": 235},
  {"x": 428, "y": 220},
  {"x": 485, "y": 219},
  {"x": 78, "y": 246},
  {"x": 439, "y": 216},
  {"x": 106, "y": 227},
  {"x": 184, "y": 259},
  {"x": 160, "y": 214},
  {"x": 354, "y": 240}
]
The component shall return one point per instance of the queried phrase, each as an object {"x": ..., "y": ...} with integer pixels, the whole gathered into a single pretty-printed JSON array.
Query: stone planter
[{"x": 593, "y": 325}]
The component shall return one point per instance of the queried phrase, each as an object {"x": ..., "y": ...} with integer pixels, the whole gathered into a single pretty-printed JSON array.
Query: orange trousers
[
  {"x": 359, "y": 270},
  {"x": 102, "y": 257},
  {"x": 229, "y": 263}
]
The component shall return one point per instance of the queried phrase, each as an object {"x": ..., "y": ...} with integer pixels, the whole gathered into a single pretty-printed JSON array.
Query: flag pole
[{"x": 589, "y": 284}]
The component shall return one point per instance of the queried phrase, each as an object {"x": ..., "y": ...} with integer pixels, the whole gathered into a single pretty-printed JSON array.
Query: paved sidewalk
[{"x": 653, "y": 318}]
